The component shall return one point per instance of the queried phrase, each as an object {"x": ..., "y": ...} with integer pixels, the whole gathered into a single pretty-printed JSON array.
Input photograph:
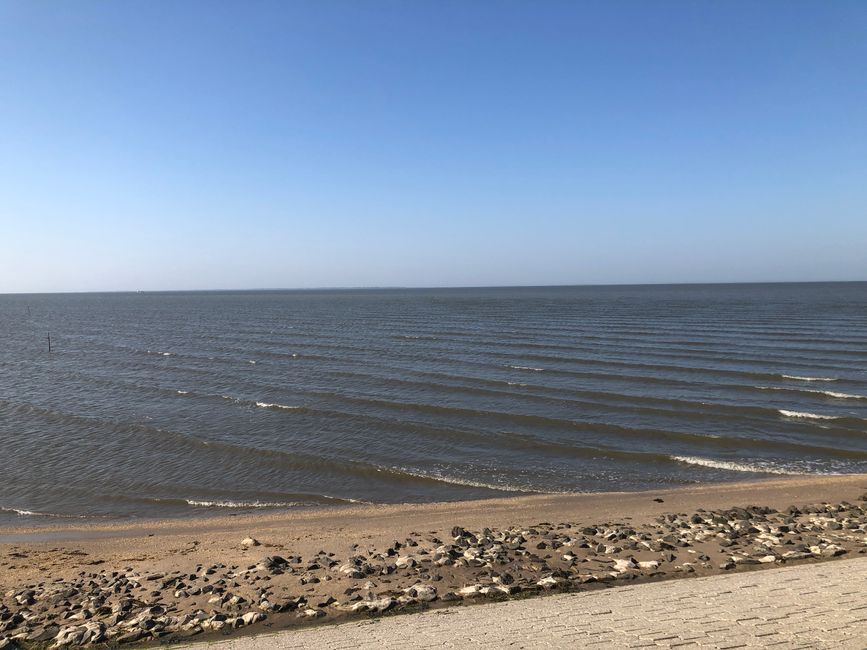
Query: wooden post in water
[{"x": 49, "y": 341}]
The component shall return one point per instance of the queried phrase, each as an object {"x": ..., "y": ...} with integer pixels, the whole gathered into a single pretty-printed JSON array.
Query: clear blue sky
[{"x": 172, "y": 145}]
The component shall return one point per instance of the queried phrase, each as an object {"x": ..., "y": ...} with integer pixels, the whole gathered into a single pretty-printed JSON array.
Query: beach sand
[{"x": 331, "y": 561}]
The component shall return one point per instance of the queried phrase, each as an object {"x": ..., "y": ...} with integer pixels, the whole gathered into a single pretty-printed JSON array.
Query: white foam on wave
[
  {"x": 807, "y": 416},
  {"x": 797, "y": 378},
  {"x": 477, "y": 484},
  {"x": 32, "y": 513},
  {"x": 183, "y": 392},
  {"x": 267, "y": 405},
  {"x": 250, "y": 361},
  {"x": 243, "y": 504},
  {"x": 831, "y": 393},
  {"x": 328, "y": 496},
  {"x": 527, "y": 368},
  {"x": 24, "y": 513},
  {"x": 161, "y": 354},
  {"x": 515, "y": 383},
  {"x": 735, "y": 467},
  {"x": 815, "y": 391}
]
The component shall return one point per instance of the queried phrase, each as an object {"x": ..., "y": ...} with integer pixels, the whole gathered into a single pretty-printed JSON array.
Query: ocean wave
[
  {"x": 347, "y": 499},
  {"x": 32, "y": 513},
  {"x": 527, "y": 368},
  {"x": 831, "y": 393},
  {"x": 266, "y": 500},
  {"x": 183, "y": 392},
  {"x": 267, "y": 405},
  {"x": 827, "y": 393},
  {"x": 245, "y": 504},
  {"x": 161, "y": 354},
  {"x": 453, "y": 480},
  {"x": 731, "y": 466},
  {"x": 807, "y": 416},
  {"x": 797, "y": 378}
]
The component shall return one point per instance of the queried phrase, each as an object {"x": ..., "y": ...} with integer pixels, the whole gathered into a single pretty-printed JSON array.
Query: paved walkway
[{"x": 811, "y": 606}]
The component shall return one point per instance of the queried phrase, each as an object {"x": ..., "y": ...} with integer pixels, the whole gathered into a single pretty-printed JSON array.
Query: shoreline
[
  {"x": 608, "y": 501},
  {"x": 146, "y": 580}
]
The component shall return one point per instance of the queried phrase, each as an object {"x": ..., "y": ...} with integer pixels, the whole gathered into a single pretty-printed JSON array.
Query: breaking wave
[
  {"x": 32, "y": 513},
  {"x": 807, "y": 416},
  {"x": 754, "y": 468},
  {"x": 815, "y": 391},
  {"x": 245, "y": 504},
  {"x": 267, "y": 405},
  {"x": 436, "y": 476},
  {"x": 797, "y": 378}
]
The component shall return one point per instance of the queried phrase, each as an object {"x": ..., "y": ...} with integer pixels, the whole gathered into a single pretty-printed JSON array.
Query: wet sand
[{"x": 306, "y": 529}]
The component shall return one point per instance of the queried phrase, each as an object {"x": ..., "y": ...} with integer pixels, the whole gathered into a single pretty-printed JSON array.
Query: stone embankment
[{"x": 123, "y": 605}]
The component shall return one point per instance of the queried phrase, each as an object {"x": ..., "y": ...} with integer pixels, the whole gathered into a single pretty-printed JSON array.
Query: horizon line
[{"x": 424, "y": 288}]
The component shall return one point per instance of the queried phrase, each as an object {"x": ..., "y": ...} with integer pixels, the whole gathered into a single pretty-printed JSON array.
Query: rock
[
  {"x": 375, "y": 605},
  {"x": 45, "y": 633},
  {"x": 423, "y": 593},
  {"x": 470, "y": 591},
  {"x": 352, "y": 571},
  {"x": 550, "y": 582},
  {"x": 621, "y": 565},
  {"x": 94, "y": 632},
  {"x": 131, "y": 636},
  {"x": 69, "y": 636},
  {"x": 833, "y": 551},
  {"x": 247, "y": 542},
  {"x": 405, "y": 561},
  {"x": 312, "y": 613}
]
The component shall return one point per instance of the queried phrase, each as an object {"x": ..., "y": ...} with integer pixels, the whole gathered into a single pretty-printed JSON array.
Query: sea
[{"x": 161, "y": 405}]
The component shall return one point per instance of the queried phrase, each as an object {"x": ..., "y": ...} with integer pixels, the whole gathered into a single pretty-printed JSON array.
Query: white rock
[
  {"x": 424, "y": 593},
  {"x": 376, "y": 605},
  {"x": 549, "y": 582},
  {"x": 621, "y": 565}
]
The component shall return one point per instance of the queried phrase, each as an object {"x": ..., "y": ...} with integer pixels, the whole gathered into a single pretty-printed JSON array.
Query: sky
[{"x": 160, "y": 145}]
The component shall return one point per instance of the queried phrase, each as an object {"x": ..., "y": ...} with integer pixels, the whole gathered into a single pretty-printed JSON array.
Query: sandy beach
[{"x": 138, "y": 581}]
